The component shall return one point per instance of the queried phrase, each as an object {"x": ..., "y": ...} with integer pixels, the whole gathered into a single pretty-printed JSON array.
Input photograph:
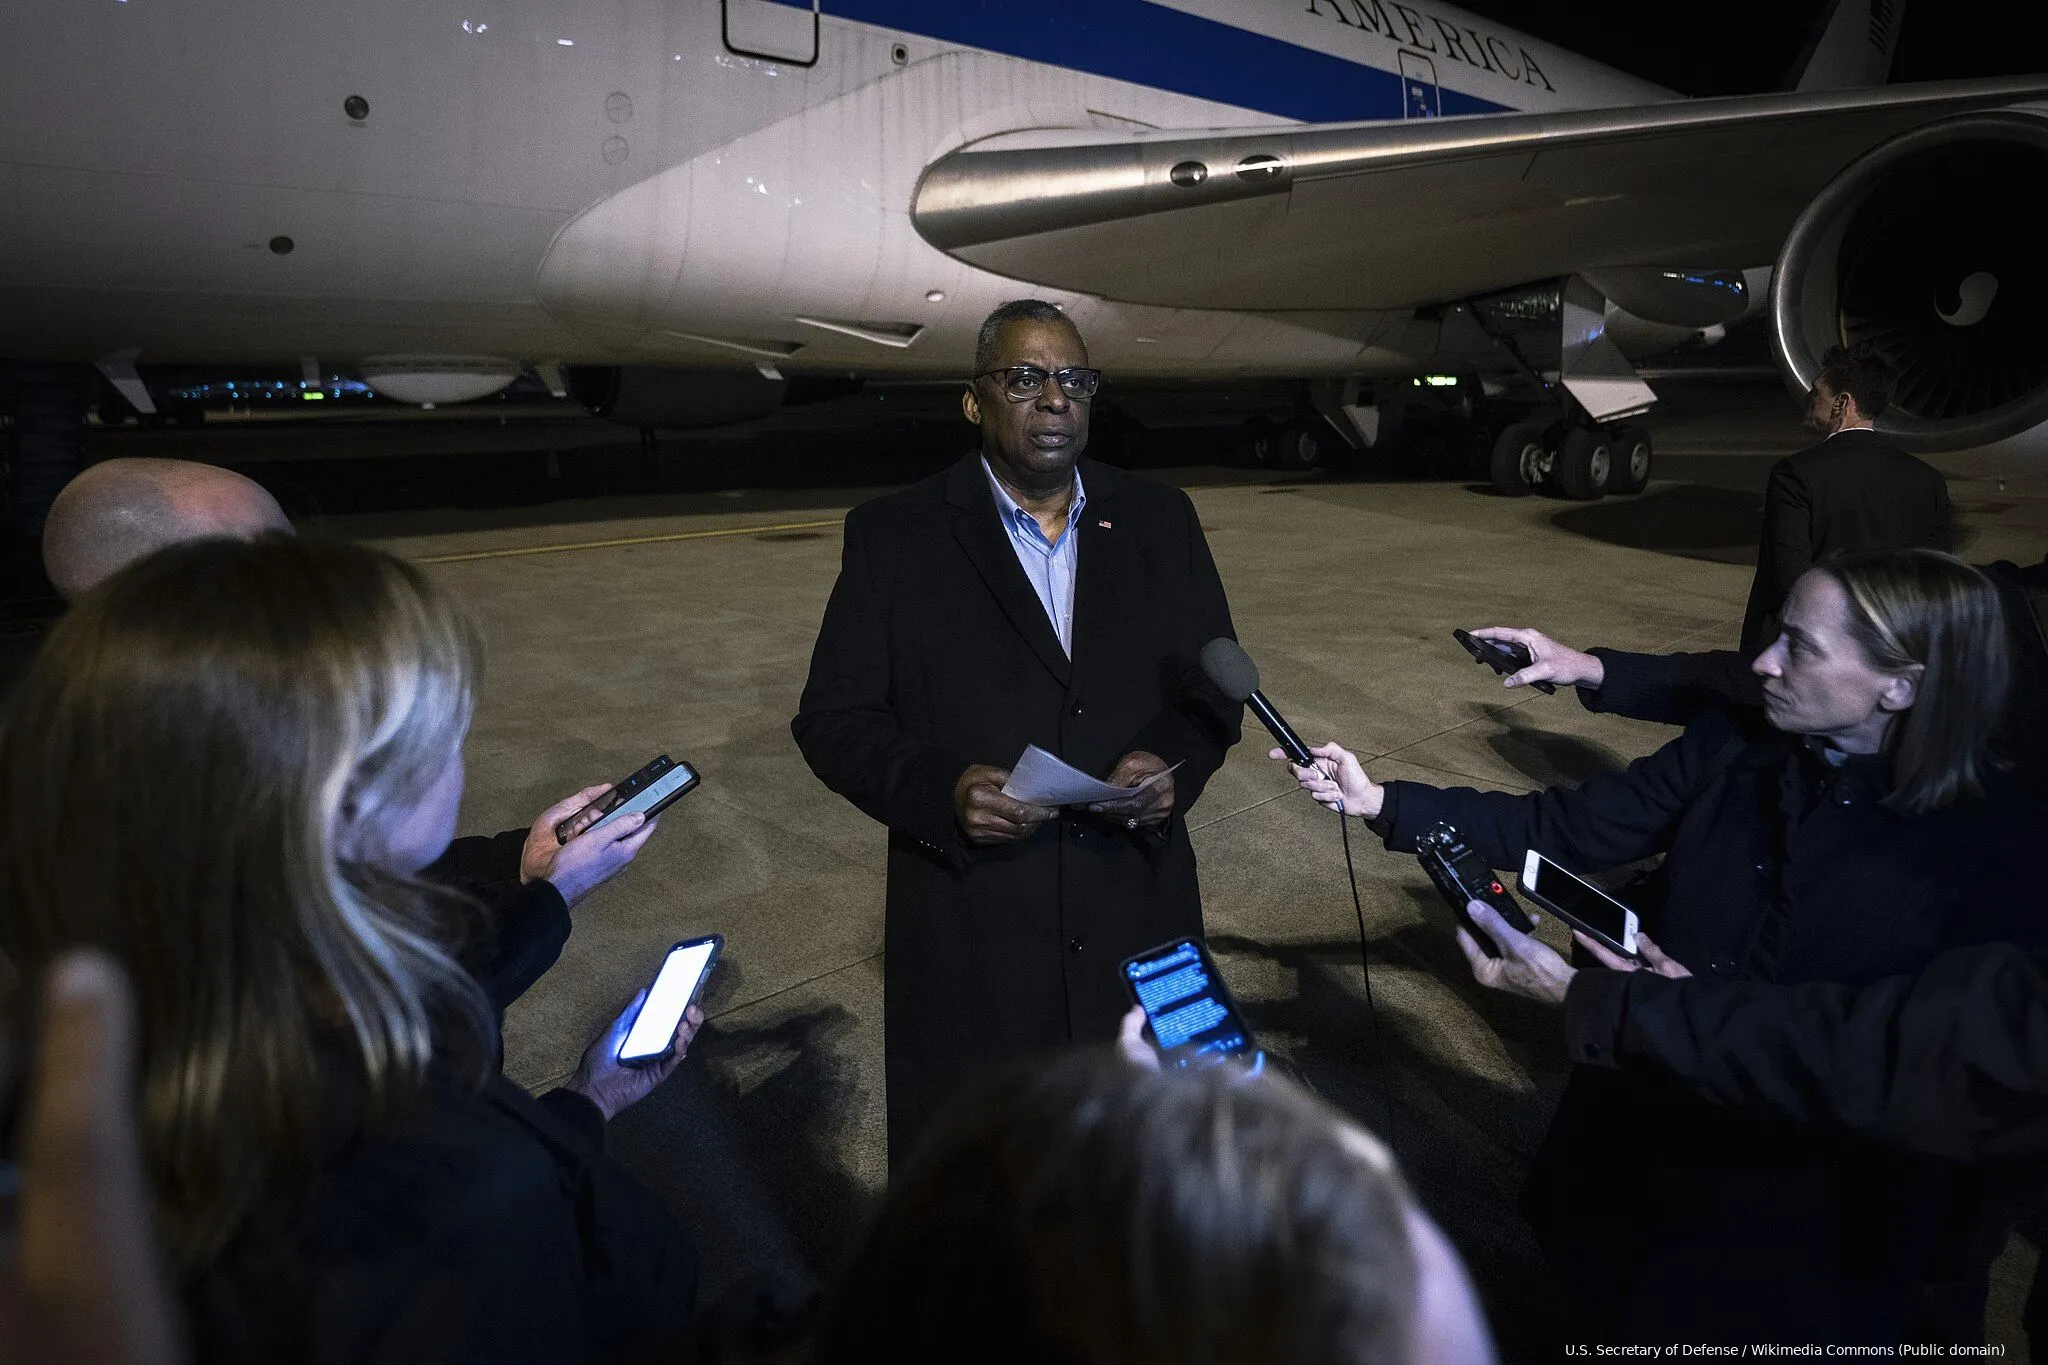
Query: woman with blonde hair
[{"x": 224, "y": 770}]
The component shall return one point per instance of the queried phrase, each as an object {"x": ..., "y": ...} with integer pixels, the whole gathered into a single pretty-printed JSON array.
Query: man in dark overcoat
[
  {"x": 1854, "y": 491},
  {"x": 1023, "y": 596}
]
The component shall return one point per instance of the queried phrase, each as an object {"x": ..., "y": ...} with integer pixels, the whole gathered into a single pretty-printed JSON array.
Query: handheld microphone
[{"x": 1237, "y": 677}]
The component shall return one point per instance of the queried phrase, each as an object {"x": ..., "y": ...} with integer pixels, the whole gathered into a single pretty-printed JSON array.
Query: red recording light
[{"x": 1498, "y": 889}]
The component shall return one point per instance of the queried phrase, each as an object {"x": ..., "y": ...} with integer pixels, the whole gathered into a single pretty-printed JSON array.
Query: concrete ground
[{"x": 683, "y": 622}]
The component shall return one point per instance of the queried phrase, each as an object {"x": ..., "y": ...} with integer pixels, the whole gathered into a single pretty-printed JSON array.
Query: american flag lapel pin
[{"x": 1103, "y": 524}]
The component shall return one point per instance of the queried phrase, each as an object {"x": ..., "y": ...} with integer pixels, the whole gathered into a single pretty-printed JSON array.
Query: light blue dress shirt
[{"x": 1048, "y": 564}]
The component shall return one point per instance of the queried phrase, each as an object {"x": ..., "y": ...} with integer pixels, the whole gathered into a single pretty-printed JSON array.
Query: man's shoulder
[
  {"x": 903, "y": 509},
  {"x": 1858, "y": 447},
  {"x": 1143, "y": 496}
]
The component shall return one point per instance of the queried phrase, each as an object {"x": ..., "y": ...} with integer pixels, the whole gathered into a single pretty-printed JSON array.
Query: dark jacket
[
  {"x": 1951, "y": 1061},
  {"x": 526, "y": 922},
  {"x": 934, "y": 655},
  {"x": 1853, "y": 491},
  {"x": 477, "y": 1227},
  {"x": 1670, "y": 1216}
]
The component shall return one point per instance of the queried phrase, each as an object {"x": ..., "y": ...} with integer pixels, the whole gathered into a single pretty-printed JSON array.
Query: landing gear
[
  {"x": 1519, "y": 459},
  {"x": 1631, "y": 470},
  {"x": 1584, "y": 459},
  {"x": 1300, "y": 445},
  {"x": 1582, "y": 462}
]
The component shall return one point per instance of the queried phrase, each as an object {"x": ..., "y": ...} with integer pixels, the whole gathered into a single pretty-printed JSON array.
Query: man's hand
[
  {"x": 588, "y": 860},
  {"x": 987, "y": 816},
  {"x": 1339, "y": 781},
  {"x": 1148, "y": 808},
  {"x": 1525, "y": 967},
  {"x": 86, "y": 1284},
  {"x": 613, "y": 1087},
  {"x": 1549, "y": 661}
]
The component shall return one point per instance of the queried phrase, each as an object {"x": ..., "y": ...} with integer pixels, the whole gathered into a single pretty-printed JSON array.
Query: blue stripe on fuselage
[{"x": 1166, "y": 49}]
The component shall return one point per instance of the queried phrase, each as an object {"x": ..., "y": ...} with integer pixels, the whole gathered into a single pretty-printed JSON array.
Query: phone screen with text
[{"x": 1191, "y": 1015}]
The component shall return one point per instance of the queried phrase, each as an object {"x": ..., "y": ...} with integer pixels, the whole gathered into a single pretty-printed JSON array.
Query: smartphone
[
  {"x": 682, "y": 976},
  {"x": 1579, "y": 903},
  {"x": 652, "y": 789},
  {"x": 1192, "y": 1017},
  {"x": 1501, "y": 658}
]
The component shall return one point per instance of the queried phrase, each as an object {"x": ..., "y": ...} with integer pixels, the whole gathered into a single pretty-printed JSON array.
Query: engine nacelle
[
  {"x": 675, "y": 400},
  {"x": 1922, "y": 248}
]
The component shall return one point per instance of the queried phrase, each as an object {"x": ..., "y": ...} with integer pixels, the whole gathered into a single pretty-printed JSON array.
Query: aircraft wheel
[
  {"x": 1248, "y": 448},
  {"x": 1630, "y": 470},
  {"x": 1585, "y": 460},
  {"x": 1296, "y": 447},
  {"x": 1517, "y": 464}
]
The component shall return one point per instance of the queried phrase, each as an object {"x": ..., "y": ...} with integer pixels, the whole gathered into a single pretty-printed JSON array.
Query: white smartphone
[
  {"x": 1579, "y": 903},
  {"x": 683, "y": 974}
]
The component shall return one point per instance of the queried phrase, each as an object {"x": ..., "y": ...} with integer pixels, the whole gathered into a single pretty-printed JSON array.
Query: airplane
[{"x": 689, "y": 212}]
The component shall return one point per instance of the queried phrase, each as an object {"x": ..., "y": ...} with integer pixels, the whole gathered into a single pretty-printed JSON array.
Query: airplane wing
[{"x": 1379, "y": 215}]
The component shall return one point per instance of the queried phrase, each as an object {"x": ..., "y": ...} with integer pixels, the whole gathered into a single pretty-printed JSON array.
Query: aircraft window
[{"x": 356, "y": 107}]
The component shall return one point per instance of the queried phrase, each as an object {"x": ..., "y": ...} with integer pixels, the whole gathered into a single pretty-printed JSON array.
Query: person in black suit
[
  {"x": 1854, "y": 491},
  {"x": 1022, "y": 596}
]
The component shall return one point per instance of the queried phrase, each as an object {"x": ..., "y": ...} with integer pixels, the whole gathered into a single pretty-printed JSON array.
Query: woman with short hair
[
  {"x": 1851, "y": 831},
  {"x": 224, "y": 769}
]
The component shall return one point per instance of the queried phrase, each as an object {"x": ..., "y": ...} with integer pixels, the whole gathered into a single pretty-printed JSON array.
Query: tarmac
[{"x": 682, "y": 621}]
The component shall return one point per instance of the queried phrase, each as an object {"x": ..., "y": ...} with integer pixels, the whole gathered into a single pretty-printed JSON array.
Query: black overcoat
[
  {"x": 936, "y": 654},
  {"x": 1853, "y": 491},
  {"x": 1675, "y": 1218}
]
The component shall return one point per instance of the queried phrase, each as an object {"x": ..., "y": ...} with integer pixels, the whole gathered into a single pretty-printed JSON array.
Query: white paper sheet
[{"x": 1042, "y": 780}]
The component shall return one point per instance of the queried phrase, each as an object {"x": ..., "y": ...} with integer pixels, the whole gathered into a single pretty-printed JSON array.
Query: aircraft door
[
  {"x": 1418, "y": 86},
  {"x": 764, "y": 28}
]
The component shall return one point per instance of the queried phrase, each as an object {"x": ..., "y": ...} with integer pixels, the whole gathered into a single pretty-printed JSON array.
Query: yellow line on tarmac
[{"x": 470, "y": 555}]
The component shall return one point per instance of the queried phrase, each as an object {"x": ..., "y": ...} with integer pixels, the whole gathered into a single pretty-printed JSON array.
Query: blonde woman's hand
[{"x": 615, "y": 1087}]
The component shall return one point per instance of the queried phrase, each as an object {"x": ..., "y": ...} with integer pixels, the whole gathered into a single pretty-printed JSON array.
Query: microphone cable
[
  {"x": 1364, "y": 966},
  {"x": 1372, "y": 1009}
]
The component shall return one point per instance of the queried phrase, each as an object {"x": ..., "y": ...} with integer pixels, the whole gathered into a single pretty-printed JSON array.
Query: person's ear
[
  {"x": 970, "y": 405},
  {"x": 1901, "y": 689}
]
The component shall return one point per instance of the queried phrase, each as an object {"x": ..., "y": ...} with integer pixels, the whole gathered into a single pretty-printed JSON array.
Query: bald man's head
[{"x": 120, "y": 510}]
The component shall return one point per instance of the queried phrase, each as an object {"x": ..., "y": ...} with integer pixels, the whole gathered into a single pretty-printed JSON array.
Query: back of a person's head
[
  {"x": 1925, "y": 611},
  {"x": 1861, "y": 372},
  {"x": 188, "y": 773},
  {"x": 1087, "y": 1211},
  {"x": 117, "y": 511}
]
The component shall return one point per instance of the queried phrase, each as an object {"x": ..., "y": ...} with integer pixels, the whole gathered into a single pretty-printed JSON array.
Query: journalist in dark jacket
[
  {"x": 1849, "y": 831},
  {"x": 338, "y": 1170}
]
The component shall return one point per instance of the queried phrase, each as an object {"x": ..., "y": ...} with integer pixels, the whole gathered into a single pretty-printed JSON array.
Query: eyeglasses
[{"x": 1024, "y": 382}]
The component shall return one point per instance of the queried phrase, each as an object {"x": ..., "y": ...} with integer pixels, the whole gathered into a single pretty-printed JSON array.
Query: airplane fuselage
[{"x": 671, "y": 182}]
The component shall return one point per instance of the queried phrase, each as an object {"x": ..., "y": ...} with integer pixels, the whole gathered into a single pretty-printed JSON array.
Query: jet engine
[{"x": 1924, "y": 249}]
